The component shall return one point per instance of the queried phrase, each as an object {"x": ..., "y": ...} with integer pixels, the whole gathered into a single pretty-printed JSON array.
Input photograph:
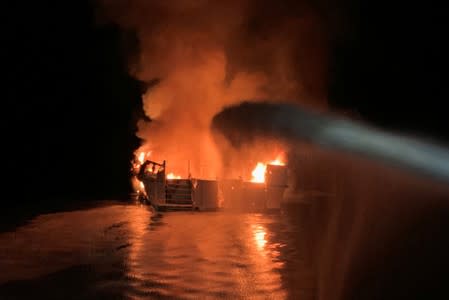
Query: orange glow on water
[{"x": 259, "y": 237}]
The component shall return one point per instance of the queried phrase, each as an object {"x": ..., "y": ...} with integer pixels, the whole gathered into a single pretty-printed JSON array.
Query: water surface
[{"x": 126, "y": 251}]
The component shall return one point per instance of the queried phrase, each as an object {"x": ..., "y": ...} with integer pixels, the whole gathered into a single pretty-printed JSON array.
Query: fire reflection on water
[
  {"x": 259, "y": 237},
  {"x": 204, "y": 255},
  {"x": 186, "y": 254},
  {"x": 267, "y": 249}
]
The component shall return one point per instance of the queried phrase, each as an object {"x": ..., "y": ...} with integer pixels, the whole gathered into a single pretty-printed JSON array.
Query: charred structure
[{"x": 166, "y": 193}]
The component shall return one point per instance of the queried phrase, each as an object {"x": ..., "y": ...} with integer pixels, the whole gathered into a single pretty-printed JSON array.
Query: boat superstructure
[{"x": 200, "y": 194}]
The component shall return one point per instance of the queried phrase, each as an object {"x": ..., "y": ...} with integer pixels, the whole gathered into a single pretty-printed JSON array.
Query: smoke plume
[{"x": 206, "y": 55}]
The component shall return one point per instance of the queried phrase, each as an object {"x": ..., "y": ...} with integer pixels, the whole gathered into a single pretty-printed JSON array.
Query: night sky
[
  {"x": 70, "y": 107},
  {"x": 394, "y": 71}
]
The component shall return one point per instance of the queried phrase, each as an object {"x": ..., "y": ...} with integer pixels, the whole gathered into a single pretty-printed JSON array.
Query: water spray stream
[{"x": 295, "y": 123}]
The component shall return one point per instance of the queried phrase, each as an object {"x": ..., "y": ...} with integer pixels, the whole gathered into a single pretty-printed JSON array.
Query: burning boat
[{"x": 169, "y": 192}]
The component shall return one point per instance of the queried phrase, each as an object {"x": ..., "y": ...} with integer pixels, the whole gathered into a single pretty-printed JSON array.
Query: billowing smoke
[{"x": 206, "y": 55}]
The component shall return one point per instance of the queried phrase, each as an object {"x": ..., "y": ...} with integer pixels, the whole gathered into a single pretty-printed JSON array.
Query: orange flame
[
  {"x": 173, "y": 176},
  {"x": 258, "y": 174},
  {"x": 279, "y": 161},
  {"x": 141, "y": 157},
  {"x": 138, "y": 186}
]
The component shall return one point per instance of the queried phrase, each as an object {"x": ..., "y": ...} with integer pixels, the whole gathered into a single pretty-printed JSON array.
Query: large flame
[
  {"x": 138, "y": 186},
  {"x": 140, "y": 159},
  {"x": 202, "y": 72},
  {"x": 258, "y": 174},
  {"x": 173, "y": 176},
  {"x": 277, "y": 162}
]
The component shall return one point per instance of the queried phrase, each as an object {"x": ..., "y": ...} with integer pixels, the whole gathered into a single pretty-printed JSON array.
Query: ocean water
[{"x": 127, "y": 251}]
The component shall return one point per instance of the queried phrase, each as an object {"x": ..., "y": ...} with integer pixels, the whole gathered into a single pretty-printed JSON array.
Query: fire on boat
[{"x": 167, "y": 191}]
